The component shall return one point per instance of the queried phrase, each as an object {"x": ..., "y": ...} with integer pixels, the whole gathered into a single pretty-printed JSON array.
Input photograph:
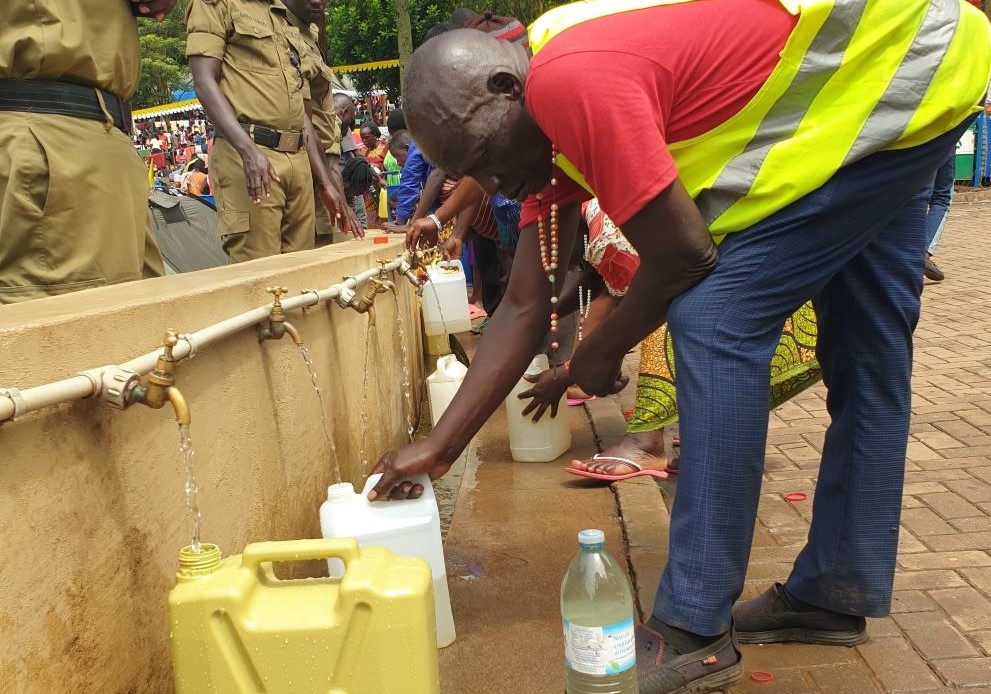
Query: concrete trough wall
[{"x": 91, "y": 498}]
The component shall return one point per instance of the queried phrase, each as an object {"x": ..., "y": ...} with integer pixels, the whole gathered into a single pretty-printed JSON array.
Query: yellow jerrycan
[{"x": 237, "y": 629}]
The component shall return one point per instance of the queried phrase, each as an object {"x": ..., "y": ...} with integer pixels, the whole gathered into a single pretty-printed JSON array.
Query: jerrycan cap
[
  {"x": 340, "y": 492},
  {"x": 591, "y": 537}
]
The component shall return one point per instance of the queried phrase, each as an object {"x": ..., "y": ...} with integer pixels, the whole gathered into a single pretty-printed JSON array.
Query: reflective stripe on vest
[{"x": 855, "y": 77}]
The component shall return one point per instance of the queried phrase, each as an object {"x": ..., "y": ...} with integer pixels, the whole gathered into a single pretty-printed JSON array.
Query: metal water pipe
[{"x": 111, "y": 382}]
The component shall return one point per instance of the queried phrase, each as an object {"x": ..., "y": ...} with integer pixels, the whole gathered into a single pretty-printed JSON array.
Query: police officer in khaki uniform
[
  {"x": 305, "y": 15},
  {"x": 73, "y": 191},
  {"x": 246, "y": 64}
]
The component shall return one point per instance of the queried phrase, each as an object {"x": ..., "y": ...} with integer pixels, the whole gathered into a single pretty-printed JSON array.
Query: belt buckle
[{"x": 288, "y": 141}]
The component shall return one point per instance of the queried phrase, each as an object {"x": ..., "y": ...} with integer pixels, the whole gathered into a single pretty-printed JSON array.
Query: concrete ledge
[
  {"x": 646, "y": 521},
  {"x": 643, "y": 512}
]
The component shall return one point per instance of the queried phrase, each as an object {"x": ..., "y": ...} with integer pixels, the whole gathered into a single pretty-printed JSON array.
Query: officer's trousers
[
  {"x": 281, "y": 223},
  {"x": 73, "y": 207},
  {"x": 855, "y": 247}
]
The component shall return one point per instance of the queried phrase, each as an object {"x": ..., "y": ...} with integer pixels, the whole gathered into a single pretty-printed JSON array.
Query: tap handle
[
  {"x": 277, "y": 292},
  {"x": 170, "y": 340}
]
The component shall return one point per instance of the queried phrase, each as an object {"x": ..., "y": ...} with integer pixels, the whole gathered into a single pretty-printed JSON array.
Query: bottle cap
[
  {"x": 591, "y": 537},
  {"x": 340, "y": 492}
]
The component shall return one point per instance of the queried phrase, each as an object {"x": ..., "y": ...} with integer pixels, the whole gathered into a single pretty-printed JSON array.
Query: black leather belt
[
  {"x": 279, "y": 140},
  {"x": 65, "y": 99}
]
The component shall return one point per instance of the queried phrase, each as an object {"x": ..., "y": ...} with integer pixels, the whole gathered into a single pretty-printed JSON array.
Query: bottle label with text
[{"x": 607, "y": 650}]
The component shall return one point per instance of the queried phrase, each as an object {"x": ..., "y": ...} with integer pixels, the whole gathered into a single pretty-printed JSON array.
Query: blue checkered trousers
[{"x": 856, "y": 247}]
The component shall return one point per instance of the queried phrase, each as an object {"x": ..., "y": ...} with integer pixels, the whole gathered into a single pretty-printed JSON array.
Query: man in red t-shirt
[{"x": 616, "y": 95}]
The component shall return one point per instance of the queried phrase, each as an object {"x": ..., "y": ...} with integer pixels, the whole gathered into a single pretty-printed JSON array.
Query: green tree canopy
[
  {"x": 164, "y": 67},
  {"x": 360, "y": 32}
]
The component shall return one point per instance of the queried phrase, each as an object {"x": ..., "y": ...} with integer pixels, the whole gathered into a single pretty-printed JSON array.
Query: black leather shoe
[
  {"x": 932, "y": 271},
  {"x": 663, "y": 670},
  {"x": 772, "y": 618}
]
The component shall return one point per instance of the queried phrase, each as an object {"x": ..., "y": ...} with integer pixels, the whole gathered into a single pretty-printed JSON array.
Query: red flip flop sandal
[{"x": 638, "y": 471}]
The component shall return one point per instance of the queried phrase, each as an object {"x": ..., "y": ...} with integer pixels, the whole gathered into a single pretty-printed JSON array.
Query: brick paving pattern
[{"x": 938, "y": 637}]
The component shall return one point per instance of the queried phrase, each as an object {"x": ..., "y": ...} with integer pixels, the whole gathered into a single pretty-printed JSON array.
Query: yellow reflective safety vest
[{"x": 855, "y": 77}]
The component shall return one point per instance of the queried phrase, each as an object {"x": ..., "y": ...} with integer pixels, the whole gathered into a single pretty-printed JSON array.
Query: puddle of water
[
  {"x": 187, "y": 452},
  {"x": 328, "y": 437}
]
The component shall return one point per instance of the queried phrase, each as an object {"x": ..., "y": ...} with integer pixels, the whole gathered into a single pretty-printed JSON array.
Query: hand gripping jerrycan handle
[
  {"x": 374, "y": 479},
  {"x": 259, "y": 553}
]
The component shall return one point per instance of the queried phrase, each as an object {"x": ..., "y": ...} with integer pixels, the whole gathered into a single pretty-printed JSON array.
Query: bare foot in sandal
[{"x": 634, "y": 455}]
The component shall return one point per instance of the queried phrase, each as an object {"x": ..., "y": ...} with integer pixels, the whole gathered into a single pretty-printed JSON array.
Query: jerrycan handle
[
  {"x": 258, "y": 553},
  {"x": 451, "y": 367},
  {"x": 374, "y": 479}
]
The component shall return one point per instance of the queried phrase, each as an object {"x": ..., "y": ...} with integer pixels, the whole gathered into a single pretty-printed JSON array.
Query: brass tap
[
  {"x": 385, "y": 277},
  {"x": 366, "y": 304},
  {"x": 406, "y": 268},
  {"x": 160, "y": 387},
  {"x": 278, "y": 326}
]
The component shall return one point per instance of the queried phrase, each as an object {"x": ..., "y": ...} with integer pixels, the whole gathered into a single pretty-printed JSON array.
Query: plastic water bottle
[{"x": 597, "y": 611}]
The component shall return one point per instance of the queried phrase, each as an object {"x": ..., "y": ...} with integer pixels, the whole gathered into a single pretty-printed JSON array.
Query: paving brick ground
[{"x": 939, "y": 635}]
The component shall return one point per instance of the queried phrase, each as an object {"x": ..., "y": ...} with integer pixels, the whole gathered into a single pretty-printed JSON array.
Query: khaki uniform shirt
[
  {"x": 261, "y": 55},
  {"x": 320, "y": 78},
  {"x": 90, "y": 42}
]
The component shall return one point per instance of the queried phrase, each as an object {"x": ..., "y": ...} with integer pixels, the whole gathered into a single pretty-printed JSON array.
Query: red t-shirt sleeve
[{"x": 606, "y": 112}]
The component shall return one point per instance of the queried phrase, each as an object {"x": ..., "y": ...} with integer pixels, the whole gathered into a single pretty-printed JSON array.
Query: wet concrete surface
[{"x": 512, "y": 537}]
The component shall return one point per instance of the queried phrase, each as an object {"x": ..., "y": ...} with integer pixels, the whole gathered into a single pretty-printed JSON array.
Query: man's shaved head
[
  {"x": 345, "y": 109},
  {"x": 464, "y": 104}
]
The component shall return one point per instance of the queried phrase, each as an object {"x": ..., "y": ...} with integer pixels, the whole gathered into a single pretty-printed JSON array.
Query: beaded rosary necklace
[
  {"x": 549, "y": 256},
  {"x": 549, "y": 250}
]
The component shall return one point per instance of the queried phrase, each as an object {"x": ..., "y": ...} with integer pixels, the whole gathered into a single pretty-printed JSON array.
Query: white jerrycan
[
  {"x": 536, "y": 442},
  {"x": 443, "y": 384},
  {"x": 445, "y": 299},
  {"x": 410, "y": 528}
]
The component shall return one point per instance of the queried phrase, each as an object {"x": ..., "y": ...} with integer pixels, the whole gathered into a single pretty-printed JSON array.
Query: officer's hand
[
  {"x": 258, "y": 171},
  {"x": 154, "y": 8},
  {"x": 421, "y": 233},
  {"x": 341, "y": 211},
  {"x": 350, "y": 224},
  {"x": 398, "y": 466}
]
